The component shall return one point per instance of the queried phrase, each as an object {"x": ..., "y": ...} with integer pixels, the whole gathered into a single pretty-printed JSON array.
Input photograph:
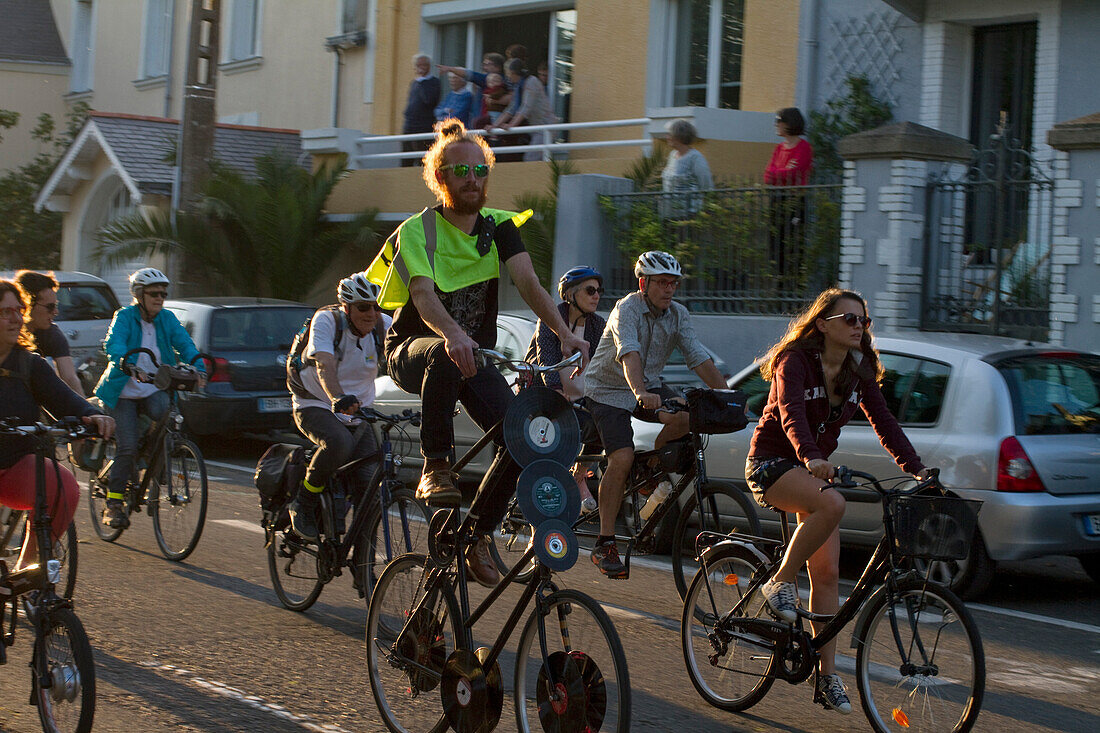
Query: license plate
[
  {"x": 274, "y": 404},
  {"x": 1092, "y": 524}
]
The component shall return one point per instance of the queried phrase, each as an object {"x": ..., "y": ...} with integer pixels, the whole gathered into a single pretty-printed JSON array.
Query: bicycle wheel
[
  {"x": 729, "y": 668},
  {"x": 735, "y": 513},
  {"x": 97, "y": 495},
  {"x": 64, "y": 551},
  {"x": 919, "y": 661},
  {"x": 179, "y": 514},
  {"x": 588, "y": 664},
  {"x": 405, "y": 661},
  {"x": 406, "y": 523},
  {"x": 293, "y": 565},
  {"x": 67, "y": 705},
  {"x": 510, "y": 540}
]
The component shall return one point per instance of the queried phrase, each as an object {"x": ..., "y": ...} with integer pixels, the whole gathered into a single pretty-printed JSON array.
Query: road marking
[
  {"x": 1024, "y": 615},
  {"x": 230, "y": 466},
  {"x": 240, "y": 524},
  {"x": 253, "y": 701}
]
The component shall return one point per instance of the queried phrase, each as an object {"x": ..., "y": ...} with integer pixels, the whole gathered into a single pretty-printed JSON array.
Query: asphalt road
[{"x": 204, "y": 645}]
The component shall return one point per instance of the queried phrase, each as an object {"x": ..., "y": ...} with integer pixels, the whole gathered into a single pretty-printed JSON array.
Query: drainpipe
[
  {"x": 336, "y": 54},
  {"x": 171, "y": 10},
  {"x": 809, "y": 69}
]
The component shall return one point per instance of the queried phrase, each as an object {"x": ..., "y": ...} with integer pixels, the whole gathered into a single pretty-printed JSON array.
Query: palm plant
[
  {"x": 538, "y": 232},
  {"x": 264, "y": 236}
]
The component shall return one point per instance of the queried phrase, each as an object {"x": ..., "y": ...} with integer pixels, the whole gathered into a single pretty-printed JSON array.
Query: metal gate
[{"x": 987, "y": 246}]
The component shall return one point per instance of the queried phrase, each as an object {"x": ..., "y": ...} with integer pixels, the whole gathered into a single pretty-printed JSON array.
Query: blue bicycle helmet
[{"x": 576, "y": 275}]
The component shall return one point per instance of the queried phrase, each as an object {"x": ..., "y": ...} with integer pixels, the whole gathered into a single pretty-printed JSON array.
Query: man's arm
[
  {"x": 67, "y": 372},
  {"x": 527, "y": 282},
  {"x": 459, "y": 346},
  {"x": 635, "y": 377},
  {"x": 710, "y": 375},
  {"x": 326, "y": 373}
]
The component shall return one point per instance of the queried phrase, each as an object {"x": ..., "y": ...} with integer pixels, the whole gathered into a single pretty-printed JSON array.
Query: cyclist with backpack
[{"x": 330, "y": 374}]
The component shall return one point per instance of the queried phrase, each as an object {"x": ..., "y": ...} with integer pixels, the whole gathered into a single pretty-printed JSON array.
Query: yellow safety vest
[{"x": 428, "y": 245}]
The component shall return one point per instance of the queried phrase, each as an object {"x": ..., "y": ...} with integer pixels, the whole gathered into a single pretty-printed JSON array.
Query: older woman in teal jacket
[{"x": 148, "y": 325}]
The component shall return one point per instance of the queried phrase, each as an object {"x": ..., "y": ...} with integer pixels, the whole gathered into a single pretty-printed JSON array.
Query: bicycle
[
  {"x": 172, "y": 485},
  {"x": 685, "y": 456},
  {"x": 919, "y": 665},
  {"x": 568, "y": 675},
  {"x": 62, "y": 669},
  {"x": 388, "y": 521},
  {"x": 13, "y": 533}
]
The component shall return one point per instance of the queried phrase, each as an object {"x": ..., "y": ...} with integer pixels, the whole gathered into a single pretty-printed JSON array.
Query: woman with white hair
[{"x": 686, "y": 170}]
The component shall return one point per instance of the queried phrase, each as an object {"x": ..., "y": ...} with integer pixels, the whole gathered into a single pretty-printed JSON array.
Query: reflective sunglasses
[
  {"x": 852, "y": 319},
  {"x": 157, "y": 293},
  {"x": 52, "y": 307},
  {"x": 366, "y": 307},
  {"x": 592, "y": 290},
  {"x": 463, "y": 169}
]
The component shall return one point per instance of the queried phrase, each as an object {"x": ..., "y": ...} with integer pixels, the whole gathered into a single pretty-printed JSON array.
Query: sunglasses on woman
[
  {"x": 852, "y": 319},
  {"x": 463, "y": 169},
  {"x": 366, "y": 307},
  {"x": 592, "y": 290}
]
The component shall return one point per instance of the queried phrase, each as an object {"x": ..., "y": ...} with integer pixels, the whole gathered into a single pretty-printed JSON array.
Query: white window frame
[
  {"x": 82, "y": 48},
  {"x": 156, "y": 30},
  {"x": 664, "y": 16},
  {"x": 232, "y": 29}
]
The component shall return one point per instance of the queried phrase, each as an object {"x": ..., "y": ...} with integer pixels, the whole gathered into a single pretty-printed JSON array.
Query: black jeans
[
  {"x": 421, "y": 366},
  {"x": 336, "y": 446}
]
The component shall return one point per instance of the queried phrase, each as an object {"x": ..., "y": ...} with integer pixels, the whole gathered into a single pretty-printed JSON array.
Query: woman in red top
[
  {"x": 822, "y": 370},
  {"x": 793, "y": 158}
]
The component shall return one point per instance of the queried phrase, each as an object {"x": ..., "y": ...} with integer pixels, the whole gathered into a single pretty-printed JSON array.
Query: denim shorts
[{"x": 761, "y": 473}]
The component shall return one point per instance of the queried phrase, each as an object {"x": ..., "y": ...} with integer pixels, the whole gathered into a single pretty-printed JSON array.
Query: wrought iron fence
[
  {"x": 753, "y": 250},
  {"x": 987, "y": 246}
]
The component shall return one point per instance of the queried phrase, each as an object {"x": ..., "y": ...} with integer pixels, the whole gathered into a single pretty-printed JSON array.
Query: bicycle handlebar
[
  {"x": 483, "y": 357},
  {"x": 371, "y": 415},
  {"x": 857, "y": 492},
  {"x": 69, "y": 428}
]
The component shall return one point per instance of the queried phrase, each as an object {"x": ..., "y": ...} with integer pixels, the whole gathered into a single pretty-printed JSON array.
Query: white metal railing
[{"x": 547, "y": 133}]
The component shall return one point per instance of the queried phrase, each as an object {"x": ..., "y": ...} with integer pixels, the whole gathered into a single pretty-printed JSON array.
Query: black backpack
[
  {"x": 279, "y": 473},
  {"x": 296, "y": 362}
]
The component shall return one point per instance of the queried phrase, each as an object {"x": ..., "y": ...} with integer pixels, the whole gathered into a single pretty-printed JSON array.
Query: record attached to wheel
[
  {"x": 546, "y": 490},
  {"x": 564, "y": 711},
  {"x": 464, "y": 693},
  {"x": 494, "y": 687},
  {"x": 540, "y": 424},
  {"x": 556, "y": 545}
]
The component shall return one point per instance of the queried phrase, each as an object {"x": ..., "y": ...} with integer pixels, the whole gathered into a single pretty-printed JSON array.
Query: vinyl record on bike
[
  {"x": 464, "y": 693},
  {"x": 546, "y": 490},
  {"x": 494, "y": 688},
  {"x": 556, "y": 545},
  {"x": 540, "y": 424},
  {"x": 441, "y": 536},
  {"x": 565, "y": 710}
]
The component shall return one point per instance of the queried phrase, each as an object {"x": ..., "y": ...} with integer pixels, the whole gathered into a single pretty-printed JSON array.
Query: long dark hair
[
  {"x": 802, "y": 333},
  {"x": 7, "y": 286}
]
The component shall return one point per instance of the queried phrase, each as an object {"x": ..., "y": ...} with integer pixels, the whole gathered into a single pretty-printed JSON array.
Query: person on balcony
[
  {"x": 793, "y": 158},
  {"x": 492, "y": 64},
  {"x": 529, "y": 106},
  {"x": 458, "y": 103},
  {"x": 424, "y": 93},
  {"x": 685, "y": 171}
]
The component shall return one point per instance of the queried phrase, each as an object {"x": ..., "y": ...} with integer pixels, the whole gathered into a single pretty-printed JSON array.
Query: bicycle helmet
[
  {"x": 144, "y": 277},
  {"x": 657, "y": 263},
  {"x": 576, "y": 275},
  {"x": 357, "y": 289}
]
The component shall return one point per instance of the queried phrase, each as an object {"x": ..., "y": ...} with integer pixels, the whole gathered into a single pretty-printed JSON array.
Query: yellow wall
[
  {"x": 30, "y": 90},
  {"x": 770, "y": 54}
]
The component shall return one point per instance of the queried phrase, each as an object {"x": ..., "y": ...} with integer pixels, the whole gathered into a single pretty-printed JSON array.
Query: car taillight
[
  {"x": 221, "y": 370},
  {"x": 1014, "y": 469}
]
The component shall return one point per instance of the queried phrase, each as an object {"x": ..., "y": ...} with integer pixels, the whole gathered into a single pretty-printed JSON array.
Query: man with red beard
[{"x": 440, "y": 271}]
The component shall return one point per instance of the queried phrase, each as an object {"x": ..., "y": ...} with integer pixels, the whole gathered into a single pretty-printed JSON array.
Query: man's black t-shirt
[
  {"x": 474, "y": 308},
  {"x": 51, "y": 342}
]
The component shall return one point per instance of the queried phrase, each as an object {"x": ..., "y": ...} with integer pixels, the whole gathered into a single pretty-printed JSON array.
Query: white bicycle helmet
[
  {"x": 657, "y": 263},
  {"x": 357, "y": 289},
  {"x": 144, "y": 277}
]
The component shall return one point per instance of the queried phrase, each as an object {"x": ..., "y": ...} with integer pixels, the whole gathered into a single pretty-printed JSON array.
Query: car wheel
[
  {"x": 969, "y": 578},
  {"x": 1091, "y": 565}
]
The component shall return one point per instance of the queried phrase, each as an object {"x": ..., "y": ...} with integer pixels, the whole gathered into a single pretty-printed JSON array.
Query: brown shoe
[
  {"x": 480, "y": 563},
  {"x": 438, "y": 488}
]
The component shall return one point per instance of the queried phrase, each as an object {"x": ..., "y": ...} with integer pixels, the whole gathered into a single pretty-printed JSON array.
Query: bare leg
[
  {"x": 676, "y": 426},
  {"x": 611, "y": 488},
  {"x": 823, "y": 568}
]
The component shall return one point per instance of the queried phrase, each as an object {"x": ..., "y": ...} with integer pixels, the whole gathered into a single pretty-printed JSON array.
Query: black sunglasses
[
  {"x": 852, "y": 319},
  {"x": 592, "y": 290},
  {"x": 463, "y": 169},
  {"x": 157, "y": 293},
  {"x": 52, "y": 307},
  {"x": 366, "y": 307}
]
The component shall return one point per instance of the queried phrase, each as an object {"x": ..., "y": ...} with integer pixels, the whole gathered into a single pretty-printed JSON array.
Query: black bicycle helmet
[{"x": 576, "y": 275}]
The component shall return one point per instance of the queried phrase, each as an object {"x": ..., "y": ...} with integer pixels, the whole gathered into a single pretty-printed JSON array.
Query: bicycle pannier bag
[
  {"x": 278, "y": 473},
  {"x": 716, "y": 410}
]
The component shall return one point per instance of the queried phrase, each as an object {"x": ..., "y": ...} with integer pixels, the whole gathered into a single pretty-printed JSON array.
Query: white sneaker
[
  {"x": 833, "y": 694},
  {"x": 782, "y": 598}
]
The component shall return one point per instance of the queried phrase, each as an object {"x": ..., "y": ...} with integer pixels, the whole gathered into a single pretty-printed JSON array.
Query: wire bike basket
[{"x": 933, "y": 527}]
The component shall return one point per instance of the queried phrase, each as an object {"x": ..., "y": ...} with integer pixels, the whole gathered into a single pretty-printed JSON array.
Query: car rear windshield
[
  {"x": 86, "y": 302},
  {"x": 1054, "y": 393},
  {"x": 255, "y": 329}
]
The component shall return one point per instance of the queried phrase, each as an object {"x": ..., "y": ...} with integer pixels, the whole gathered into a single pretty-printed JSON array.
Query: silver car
[{"x": 1011, "y": 423}]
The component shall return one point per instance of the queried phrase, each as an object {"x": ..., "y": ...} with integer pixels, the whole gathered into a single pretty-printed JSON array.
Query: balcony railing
[
  {"x": 754, "y": 249},
  {"x": 546, "y": 142}
]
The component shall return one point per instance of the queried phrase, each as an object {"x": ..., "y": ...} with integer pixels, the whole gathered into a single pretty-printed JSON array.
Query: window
[
  {"x": 156, "y": 38},
  {"x": 708, "y": 38},
  {"x": 913, "y": 389},
  {"x": 82, "y": 51},
  {"x": 353, "y": 16},
  {"x": 85, "y": 302},
  {"x": 244, "y": 30},
  {"x": 1054, "y": 393}
]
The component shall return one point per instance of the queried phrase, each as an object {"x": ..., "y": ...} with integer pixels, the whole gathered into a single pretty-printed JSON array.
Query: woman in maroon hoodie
[{"x": 822, "y": 370}]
